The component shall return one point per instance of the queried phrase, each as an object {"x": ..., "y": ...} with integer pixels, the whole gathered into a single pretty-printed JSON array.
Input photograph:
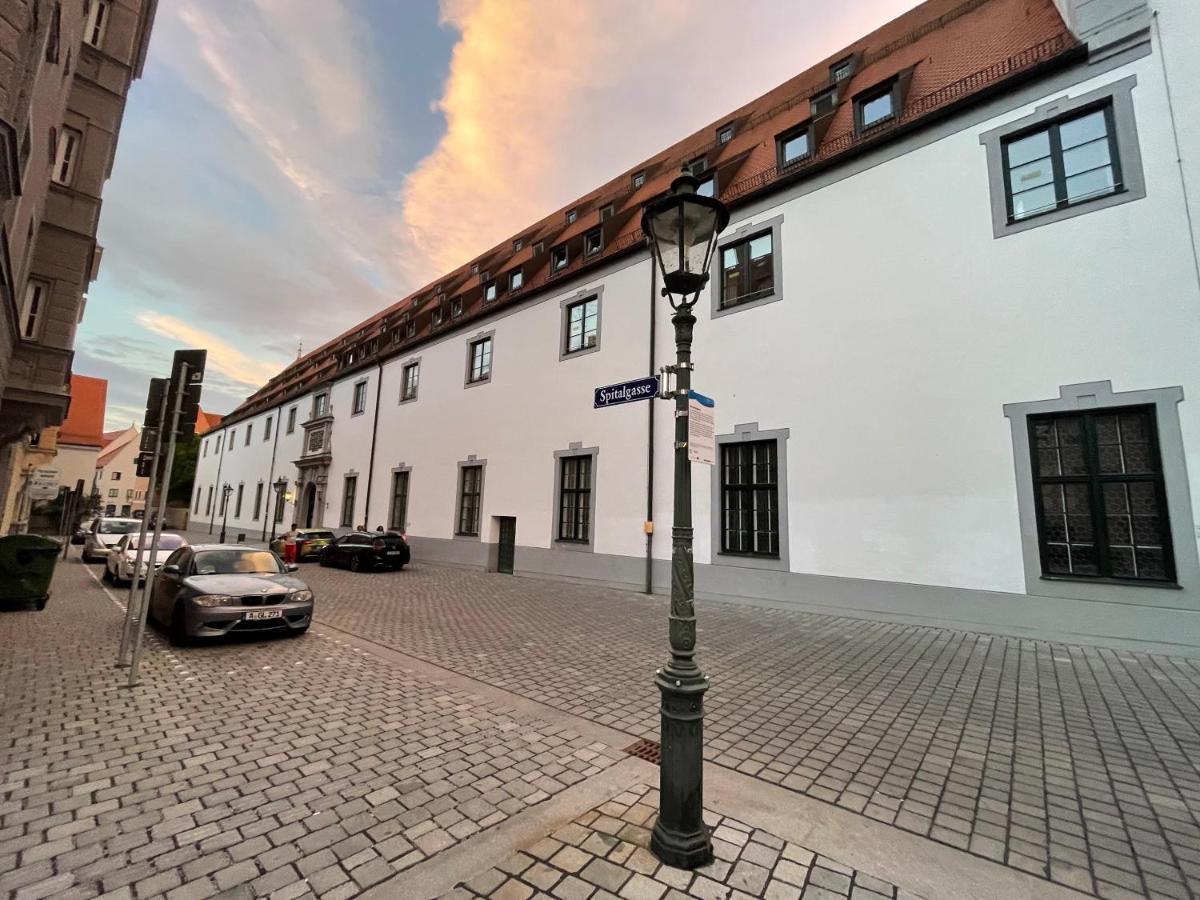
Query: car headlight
[
  {"x": 213, "y": 600},
  {"x": 301, "y": 597}
]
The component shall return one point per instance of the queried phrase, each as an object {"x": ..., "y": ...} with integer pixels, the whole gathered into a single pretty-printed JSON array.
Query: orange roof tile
[
  {"x": 945, "y": 52},
  {"x": 84, "y": 424}
]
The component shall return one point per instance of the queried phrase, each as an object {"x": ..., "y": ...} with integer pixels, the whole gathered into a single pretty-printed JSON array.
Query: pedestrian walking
[{"x": 289, "y": 544}]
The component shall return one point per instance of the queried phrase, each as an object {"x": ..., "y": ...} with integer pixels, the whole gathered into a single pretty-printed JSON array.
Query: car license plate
[
  {"x": 393, "y": 553},
  {"x": 263, "y": 614}
]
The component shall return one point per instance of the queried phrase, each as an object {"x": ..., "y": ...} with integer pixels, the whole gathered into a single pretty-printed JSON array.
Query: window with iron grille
[
  {"x": 481, "y": 360},
  {"x": 747, "y": 270},
  {"x": 470, "y": 494},
  {"x": 725, "y": 135},
  {"x": 398, "y": 515},
  {"x": 411, "y": 380},
  {"x": 1099, "y": 495},
  {"x": 750, "y": 499},
  {"x": 1070, "y": 162},
  {"x": 583, "y": 325},
  {"x": 637, "y": 180},
  {"x": 575, "y": 499},
  {"x": 351, "y": 486}
]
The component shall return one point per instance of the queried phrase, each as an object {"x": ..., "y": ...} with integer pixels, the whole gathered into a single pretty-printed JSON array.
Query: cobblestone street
[
  {"x": 1073, "y": 763},
  {"x": 325, "y": 765}
]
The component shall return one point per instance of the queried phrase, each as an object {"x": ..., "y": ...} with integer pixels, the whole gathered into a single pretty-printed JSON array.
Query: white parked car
[
  {"x": 118, "y": 568},
  {"x": 104, "y": 535}
]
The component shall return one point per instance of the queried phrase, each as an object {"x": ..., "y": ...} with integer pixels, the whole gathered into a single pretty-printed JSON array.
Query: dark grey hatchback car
[{"x": 210, "y": 590}]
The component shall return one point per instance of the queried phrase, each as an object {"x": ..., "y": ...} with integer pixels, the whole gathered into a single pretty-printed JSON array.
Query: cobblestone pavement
[
  {"x": 605, "y": 853},
  {"x": 290, "y": 767},
  {"x": 1076, "y": 764}
]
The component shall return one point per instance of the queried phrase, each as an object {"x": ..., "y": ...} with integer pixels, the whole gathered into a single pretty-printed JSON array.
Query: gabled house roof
[
  {"x": 943, "y": 55},
  {"x": 206, "y": 422},
  {"x": 114, "y": 442},
  {"x": 84, "y": 424}
]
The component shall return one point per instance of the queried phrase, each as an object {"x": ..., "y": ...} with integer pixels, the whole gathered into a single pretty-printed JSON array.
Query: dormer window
[
  {"x": 438, "y": 315},
  {"x": 840, "y": 71},
  {"x": 539, "y": 248},
  {"x": 438, "y": 290},
  {"x": 572, "y": 215},
  {"x": 558, "y": 258},
  {"x": 875, "y": 107},
  {"x": 474, "y": 268},
  {"x": 456, "y": 307},
  {"x": 489, "y": 292},
  {"x": 823, "y": 102},
  {"x": 516, "y": 280},
  {"x": 593, "y": 242},
  {"x": 725, "y": 134},
  {"x": 707, "y": 186},
  {"x": 484, "y": 275},
  {"x": 606, "y": 212},
  {"x": 637, "y": 180},
  {"x": 697, "y": 166},
  {"x": 412, "y": 329},
  {"x": 517, "y": 245},
  {"x": 793, "y": 146}
]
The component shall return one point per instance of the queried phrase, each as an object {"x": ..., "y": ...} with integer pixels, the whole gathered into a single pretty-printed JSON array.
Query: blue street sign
[
  {"x": 701, "y": 399},
  {"x": 626, "y": 392}
]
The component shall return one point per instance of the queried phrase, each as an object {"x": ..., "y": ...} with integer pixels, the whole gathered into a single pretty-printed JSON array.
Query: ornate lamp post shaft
[{"x": 680, "y": 837}]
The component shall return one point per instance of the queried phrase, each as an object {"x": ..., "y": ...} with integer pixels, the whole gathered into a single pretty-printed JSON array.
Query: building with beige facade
[{"x": 65, "y": 70}]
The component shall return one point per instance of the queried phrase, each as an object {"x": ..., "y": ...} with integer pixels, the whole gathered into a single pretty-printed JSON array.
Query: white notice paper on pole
[{"x": 701, "y": 431}]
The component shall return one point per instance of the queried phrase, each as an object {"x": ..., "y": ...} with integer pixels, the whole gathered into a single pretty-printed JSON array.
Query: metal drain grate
[{"x": 646, "y": 749}]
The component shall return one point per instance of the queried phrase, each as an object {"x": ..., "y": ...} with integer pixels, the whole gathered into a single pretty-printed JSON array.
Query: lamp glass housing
[{"x": 683, "y": 228}]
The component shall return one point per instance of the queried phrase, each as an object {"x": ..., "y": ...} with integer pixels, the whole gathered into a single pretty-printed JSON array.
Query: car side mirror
[
  {"x": 292, "y": 567},
  {"x": 171, "y": 569}
]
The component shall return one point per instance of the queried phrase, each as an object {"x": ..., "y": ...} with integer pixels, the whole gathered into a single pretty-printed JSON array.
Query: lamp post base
[{"x": 680, "y": 838}]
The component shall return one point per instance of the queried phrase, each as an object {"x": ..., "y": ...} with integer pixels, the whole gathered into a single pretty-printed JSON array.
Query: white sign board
[
  {"x": 43, "y": 483},
  {"x": 701, "y": 431}
]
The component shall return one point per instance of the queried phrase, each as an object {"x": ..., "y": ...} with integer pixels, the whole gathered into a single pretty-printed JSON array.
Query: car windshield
[
  {"x": 165, "y": 542},
  {"x": 236, "y": 562},
  {"x": 319, "y": 535},
  {"x": 109, "y": 526}
]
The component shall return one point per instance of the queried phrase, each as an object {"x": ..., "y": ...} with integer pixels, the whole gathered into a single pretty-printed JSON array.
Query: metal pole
[
  {"x": 680, "y": 838},
  {"x": 152, "y": 572},
  {"x": 130, "y": 604},
  {"x": 226, "y": 490}
]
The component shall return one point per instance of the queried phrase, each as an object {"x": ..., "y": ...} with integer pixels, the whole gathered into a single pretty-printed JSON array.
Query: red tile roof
[
  {"x": 945, "y": 53},
  {"x": 84, "y": 424},
  {"x": 206, "y": 422}
]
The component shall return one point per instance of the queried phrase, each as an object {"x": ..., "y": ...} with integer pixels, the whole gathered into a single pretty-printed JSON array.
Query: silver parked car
[
  {"x": 210, "y": 590},
  {"x": 118, "y": 568},
  {"x": 105, "y": 534}
]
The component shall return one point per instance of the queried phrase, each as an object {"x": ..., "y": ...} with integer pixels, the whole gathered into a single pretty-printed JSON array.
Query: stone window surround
[
  {"x": 742, "y": 434},
  {"x": 750, "y": 229},
  {"x": 399, "y": 467},
  {"x": 359, "y": 382},
  {"x": 564, "y": 306},
  {"x": 575, "y": 448},
  {"x": 471, "y": 460},
  {"x": 471, "y": 342},
  {"x": 411, "y": 361},
  {"x": 346, "y": 476},
  {"x": 1120, "y": 93},
  {"x": 1100, "y": 395}
]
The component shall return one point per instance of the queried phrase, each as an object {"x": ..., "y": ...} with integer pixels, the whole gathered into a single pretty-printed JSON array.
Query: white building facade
[{"x": 935, "y": 406}]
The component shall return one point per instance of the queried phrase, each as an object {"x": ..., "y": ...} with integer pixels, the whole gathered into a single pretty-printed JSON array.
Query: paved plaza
[{"x": 439, "y": 729}]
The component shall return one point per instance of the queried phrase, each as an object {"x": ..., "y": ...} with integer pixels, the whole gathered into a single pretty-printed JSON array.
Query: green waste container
[{"x": 26, "y": 567}]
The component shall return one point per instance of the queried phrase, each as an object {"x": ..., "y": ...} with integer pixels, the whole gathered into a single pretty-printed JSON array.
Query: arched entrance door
[{"x": 310, "y": 504}]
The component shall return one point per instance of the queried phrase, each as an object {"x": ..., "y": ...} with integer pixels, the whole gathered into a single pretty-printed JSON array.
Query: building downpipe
[
  {"x": 374, "y": 433},
  {"x": 650, "y": 438}
]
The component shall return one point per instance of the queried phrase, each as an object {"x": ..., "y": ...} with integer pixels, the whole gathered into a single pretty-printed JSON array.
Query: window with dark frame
[
  {"x": 637, "y": 180},
  {"x": 33, "y": 308},
  {"x": 237, "y": 507},
  {"x": 267, "y": 428},
  {"x": 750, "y": 499},
  {"x": 291, "y": 420},
  {"x": 747, "y": 270},
  {"x": 359, "y": 403},
  {"x": 1100, "y": 498},
  {"x": 823, "y": 102},
  {"x": 843, "y": 70},
  {"x": 517, "y": 245},
  {"x": 456, "y": 307},
  {"x": 258, "y": 495},
  {"x": 97, "y": 23},
  {"x": 398, "y": 514},
  {"x": 516, "y": 281},
  {"x": 249, "y": 431},
  {"x": 481, "y": 360},
  {"x": 558, "y": 258},
  {"x": 606, "y": 212},
  {"x": 593, "y": 242},
  {"x": 725, "y": 134},
  {"x": 876, "y": 107},
  {"x": 575, "y": 499},
  {"x": 572, "y": 215},
  {"x": 697, "y": 166},
  {"x": 351, "y": 486},
  {"x": 707, "y": 186},
  {"x": 489, "y": 292},
  {"x": 539, "y": 248},
  {"x": 410, "y": 382},
  {"x": 1068, "y": 162},
  {"x": 469, "y": 495},
  {"x": 794, "y": 145},
  {"x": 583, "y": 325}
]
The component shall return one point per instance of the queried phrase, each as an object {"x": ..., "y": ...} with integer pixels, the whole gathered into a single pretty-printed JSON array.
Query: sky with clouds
[{"x": 288, "y": 167}]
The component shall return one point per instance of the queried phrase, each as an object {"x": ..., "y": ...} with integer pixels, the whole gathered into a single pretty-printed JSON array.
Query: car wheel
[
  {"x": 178, "y": 629},
  {"x": 355, "y": 565}
]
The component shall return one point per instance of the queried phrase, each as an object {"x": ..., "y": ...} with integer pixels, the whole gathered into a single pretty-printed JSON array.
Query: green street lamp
[
  {"x": 682, "y": 228},
  {"x": 226, "y": 490},
  {"x": 277, "y": 510}
]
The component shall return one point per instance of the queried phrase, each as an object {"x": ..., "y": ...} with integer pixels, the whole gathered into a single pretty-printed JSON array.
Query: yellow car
[{"x": 310, "y": 543}]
